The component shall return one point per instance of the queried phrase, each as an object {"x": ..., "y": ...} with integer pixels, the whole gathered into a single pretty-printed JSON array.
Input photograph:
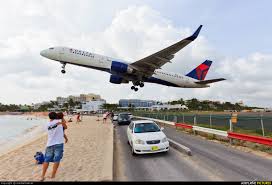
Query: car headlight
[
  {"x": 164, "y": 140},
  {"x": 138, "y": 141}
]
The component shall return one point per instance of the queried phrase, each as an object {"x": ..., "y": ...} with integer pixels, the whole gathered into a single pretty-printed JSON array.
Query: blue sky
[{"x": 234, "y": 27}]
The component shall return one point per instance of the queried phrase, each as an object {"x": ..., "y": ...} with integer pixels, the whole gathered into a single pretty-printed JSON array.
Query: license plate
[{"x": 154, "y": 148}]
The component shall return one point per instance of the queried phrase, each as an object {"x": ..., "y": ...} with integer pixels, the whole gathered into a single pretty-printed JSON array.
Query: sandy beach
[{"x": 87, "y": 156}]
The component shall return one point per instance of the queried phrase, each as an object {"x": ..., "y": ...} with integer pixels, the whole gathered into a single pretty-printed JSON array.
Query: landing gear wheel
[
  {"x": 132, "y": 87},
  {"x": 141, "y": 84},
  {"x": 136, "y": 89},
  {"x": 63, "y": 68}
]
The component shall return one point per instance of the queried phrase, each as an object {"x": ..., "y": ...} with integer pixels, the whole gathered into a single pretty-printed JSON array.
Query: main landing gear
[
  {"x": 138, "y": 83},
  {"x": 134, "y": 88},
  {"x": 63, "y": 68}
]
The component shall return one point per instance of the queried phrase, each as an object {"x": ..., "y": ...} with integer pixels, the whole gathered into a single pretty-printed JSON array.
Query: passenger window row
[{"x": 177, "y": 76}]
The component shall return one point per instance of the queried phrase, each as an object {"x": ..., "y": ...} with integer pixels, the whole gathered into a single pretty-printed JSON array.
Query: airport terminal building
[{"x": 136, "y": 103}]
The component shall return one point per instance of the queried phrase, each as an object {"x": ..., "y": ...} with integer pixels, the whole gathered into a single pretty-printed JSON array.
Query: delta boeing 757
[{"x": 139, "y": 72}]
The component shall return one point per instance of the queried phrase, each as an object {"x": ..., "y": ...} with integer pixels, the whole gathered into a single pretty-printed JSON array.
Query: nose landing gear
[{"x": 63, "y": 68}]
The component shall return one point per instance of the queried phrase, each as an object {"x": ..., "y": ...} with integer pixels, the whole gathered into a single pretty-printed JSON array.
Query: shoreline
[
  {"x": 27, "y": 136},
  {"x": 88, "y": 155}
]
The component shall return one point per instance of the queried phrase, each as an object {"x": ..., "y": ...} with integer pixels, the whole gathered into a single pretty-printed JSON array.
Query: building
[
  {"x": 93, "y": 106},
  {"x": 123, "y": 103},
  {"x": 88, "y": 97},
  {"x": 61, "y": 101},
  {"x": 258, "y": 110},
  {"x": 82, "y": 98},
  {"x": 241, "y": 103},
  {"x": 168, "y": 107},
  {"x": 38, "y": 105}
]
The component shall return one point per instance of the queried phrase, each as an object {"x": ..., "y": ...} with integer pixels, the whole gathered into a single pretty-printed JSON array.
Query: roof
[{"x": 142, "y": 121}]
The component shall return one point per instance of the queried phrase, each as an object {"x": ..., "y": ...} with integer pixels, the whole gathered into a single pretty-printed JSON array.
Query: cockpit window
[{"x": 51, "y": 48}]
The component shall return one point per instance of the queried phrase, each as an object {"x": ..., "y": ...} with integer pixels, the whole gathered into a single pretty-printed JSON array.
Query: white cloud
[{"x": 132, "y": 33}]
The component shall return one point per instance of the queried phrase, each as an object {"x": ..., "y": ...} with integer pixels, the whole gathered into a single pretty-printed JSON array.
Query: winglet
[{"x": 194, "y": 36}]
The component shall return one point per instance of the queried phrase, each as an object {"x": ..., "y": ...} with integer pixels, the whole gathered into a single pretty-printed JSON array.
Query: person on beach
[
  {"x": 78, "y": 118},
  {"x": 60, "y": 117},
  {"x": 105, "y": 115},
  {"x": 55, "y": 144}
]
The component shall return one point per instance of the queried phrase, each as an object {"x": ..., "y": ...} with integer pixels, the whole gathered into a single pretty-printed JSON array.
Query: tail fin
[{"x": 200, "y": 72}]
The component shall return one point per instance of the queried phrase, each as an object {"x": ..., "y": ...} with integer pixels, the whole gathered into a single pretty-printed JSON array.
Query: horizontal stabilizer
[{"x": 210, "y": 81}]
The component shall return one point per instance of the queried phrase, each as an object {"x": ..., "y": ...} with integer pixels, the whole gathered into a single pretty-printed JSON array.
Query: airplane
[{"x": 146, "y": 70}]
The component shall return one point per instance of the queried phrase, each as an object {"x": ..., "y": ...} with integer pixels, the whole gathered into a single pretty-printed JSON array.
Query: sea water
[{"x": 16, "y": 129}]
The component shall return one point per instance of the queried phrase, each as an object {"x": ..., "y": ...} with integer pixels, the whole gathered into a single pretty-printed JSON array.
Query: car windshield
[
  {"x": 146, "y": 127},
  {"x": 124, "y": 116}
]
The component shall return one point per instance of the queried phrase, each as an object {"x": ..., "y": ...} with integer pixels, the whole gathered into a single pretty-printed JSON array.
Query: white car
[
  {"x": 115, "y": 117},
  {"x": 145, "y": 137}
]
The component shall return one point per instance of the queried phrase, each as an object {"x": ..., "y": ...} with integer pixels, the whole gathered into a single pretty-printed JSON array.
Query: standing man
[
  {"x": 105, "y": 115},
  {"x": 78, "y": 118},
  {"x": 55, "y": 143}
]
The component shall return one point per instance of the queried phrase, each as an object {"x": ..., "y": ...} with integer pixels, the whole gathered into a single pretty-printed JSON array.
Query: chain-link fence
[{"x": 257, "y": 124}]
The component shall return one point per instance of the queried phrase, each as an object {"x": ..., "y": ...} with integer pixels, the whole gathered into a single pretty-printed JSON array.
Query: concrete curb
[
  {"x": 108, "y": 160},
  {"x": 180, "y": 147}
]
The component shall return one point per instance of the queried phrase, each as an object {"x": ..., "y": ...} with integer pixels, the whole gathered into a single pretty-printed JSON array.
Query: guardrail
[
  {"x": 211, "y": 131},
  {"x": 158, "y": 120},
  {"x": 182, "y": 125},
  {"x": 255, "y": 139}
]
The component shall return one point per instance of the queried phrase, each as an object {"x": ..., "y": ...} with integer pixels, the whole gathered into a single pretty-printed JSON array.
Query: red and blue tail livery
[{"x": 201, "y": 71}]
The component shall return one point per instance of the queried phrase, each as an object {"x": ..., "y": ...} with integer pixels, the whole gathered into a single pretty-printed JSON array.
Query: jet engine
[
  {"x": 120, "y": 67},
  {"x": 115, "y": 79}
]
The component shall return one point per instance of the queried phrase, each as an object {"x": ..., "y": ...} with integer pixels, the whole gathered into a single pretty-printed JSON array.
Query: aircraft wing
[{"x": 149, "y": 64}]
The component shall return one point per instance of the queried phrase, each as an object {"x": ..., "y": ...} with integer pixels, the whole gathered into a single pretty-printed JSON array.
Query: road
[{"x": 210, "y": 162}]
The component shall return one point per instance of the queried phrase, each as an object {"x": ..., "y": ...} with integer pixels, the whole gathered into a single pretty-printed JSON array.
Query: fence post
[
  {"x": 230, "y": 124},
  {"x": 175, "y": 119},
  {"x": 195, "y": 120},
  {"x": 262, "y": 123},
  {"x": 194, "y": 124},
  {"x": 210, "y": 120}
]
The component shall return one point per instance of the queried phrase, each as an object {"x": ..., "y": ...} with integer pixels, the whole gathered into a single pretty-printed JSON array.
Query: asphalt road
[
  {"x": 224, "y": 162},
  {"x": 210, "y": 162}
]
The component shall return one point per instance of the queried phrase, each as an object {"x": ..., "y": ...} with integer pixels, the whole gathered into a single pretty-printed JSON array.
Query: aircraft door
[{"x": 61, "y": 54}]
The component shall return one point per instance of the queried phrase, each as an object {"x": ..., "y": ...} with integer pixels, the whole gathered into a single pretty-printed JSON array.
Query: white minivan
[{"x": 145, "y": 137}]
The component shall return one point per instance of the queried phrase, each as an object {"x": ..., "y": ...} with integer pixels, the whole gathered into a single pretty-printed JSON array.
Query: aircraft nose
[{"x": 43, "y": 53}]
